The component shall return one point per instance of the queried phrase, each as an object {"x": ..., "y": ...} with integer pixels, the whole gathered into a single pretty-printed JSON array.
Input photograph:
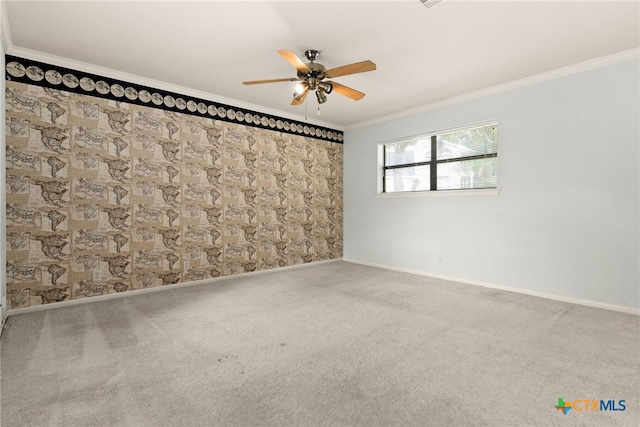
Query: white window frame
[{"x": 429, "y": 193}]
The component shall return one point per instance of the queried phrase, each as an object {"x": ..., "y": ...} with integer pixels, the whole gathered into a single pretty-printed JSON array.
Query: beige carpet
[{"x": 325, "y": 344}]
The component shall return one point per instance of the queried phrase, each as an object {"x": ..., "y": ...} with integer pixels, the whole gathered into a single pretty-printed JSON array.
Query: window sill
[{"x": 480, "y": 192}]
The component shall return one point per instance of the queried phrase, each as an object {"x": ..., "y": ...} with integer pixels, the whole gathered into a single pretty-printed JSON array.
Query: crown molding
[
  {"x": 144, "y": 81},
  {"x": 527, "y": 81},
  {"x": 5, "y": 33}
]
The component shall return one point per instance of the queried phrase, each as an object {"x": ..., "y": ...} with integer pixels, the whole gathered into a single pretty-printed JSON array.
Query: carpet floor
[{"x": 326, "y": 344}]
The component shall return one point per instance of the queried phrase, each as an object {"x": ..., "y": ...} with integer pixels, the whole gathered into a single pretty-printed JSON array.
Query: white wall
[{"x": 566, "y": 222}]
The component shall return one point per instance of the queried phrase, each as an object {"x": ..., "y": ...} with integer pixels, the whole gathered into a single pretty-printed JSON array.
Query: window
[{"x": 453, "y": 160}]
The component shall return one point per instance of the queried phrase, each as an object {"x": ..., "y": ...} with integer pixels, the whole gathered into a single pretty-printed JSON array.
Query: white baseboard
[
  {"x": 612, "y": 307},
  {"x": 15, "y": 311}
]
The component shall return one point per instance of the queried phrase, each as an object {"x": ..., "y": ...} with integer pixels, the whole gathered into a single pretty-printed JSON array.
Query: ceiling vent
[{"x": 429, "y": 3}]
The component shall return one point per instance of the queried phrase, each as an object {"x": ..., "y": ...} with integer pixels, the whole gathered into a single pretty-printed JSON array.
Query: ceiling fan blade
[
  {"x": 301, "y": 98},
  {"x": 347, "y": 91},
  {"x": 294, "y": 60},
  {"x": 257, "y": 82},
  {"x": 358, "y": 67}
]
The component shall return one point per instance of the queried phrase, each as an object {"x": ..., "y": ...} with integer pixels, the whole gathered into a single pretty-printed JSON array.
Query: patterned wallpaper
[{"x": 106, "y": 196}]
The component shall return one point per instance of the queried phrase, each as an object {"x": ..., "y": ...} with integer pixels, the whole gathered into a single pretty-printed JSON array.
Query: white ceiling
[{"x": 423, "y": 55}]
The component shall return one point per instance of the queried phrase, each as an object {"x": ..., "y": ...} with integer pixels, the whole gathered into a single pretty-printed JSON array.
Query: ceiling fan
[{"x": 311, "y": 77}]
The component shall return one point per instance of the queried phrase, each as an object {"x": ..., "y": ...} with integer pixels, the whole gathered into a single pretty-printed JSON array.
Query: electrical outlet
[
  {"x": 96, "y": 275},
  {"x": 187, "y": 265}
]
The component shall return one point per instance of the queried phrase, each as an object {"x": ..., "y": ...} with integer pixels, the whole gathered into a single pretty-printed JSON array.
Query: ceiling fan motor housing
[{"x": 313, "y": 77}]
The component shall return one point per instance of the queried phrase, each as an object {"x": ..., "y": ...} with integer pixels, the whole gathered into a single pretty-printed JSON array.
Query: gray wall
[{"x": 566, "y": 221}]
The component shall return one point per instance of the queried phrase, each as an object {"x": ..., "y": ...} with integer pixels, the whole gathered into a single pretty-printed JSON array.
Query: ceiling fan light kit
[
  {"x": 299, "y": 89},
  {"x": 311, "y": 77},
  {"x": 321, "y": 96},
  {"x": 327, "y": 87}
]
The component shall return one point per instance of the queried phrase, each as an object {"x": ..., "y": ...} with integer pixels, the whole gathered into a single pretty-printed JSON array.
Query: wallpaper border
[{"x": 41, "y": 74}]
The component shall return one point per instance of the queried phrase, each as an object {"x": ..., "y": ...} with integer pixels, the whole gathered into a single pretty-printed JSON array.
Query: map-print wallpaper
[{"x": 105, "y": 196}]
